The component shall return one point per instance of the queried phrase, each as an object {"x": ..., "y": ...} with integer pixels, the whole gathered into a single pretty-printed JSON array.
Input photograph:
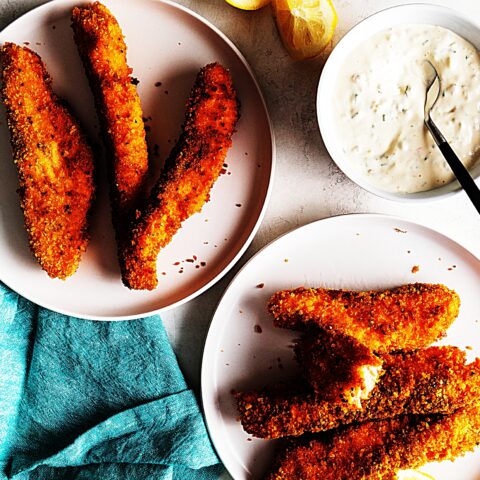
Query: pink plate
[
  {"x": 357, "y": 252},
  {"x": 167, "y": 45}
]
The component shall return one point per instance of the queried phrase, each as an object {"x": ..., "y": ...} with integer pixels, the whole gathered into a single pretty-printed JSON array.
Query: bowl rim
[{"x": 343, "y": 45}]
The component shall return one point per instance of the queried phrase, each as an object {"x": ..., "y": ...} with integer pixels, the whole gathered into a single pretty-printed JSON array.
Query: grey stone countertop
[{"x": 308, "y": 185}]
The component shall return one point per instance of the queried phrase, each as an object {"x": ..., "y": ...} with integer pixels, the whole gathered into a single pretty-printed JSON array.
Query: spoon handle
[{"x": 464, "y": 178}]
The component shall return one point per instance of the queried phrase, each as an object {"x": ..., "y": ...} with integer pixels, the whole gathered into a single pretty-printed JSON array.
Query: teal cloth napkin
[{"x": 94, "y": 400}]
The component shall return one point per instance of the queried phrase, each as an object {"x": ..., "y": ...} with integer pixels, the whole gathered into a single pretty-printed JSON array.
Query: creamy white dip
[{"x": 380, "y": 95}]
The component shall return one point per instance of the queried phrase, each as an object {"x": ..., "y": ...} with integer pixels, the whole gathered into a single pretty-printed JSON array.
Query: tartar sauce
[{"x": 379, "y": 102}]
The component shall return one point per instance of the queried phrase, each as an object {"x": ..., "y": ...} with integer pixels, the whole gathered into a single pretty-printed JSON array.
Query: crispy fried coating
[
  {"x": 102, "y": 48},
  {"x": 339, "y": 368},
  {"x": 190, "y": 172},
  {"x": 378, "y": 449},
  {"x": 54, "y": 161},
  {"x": 404, "y": 318},
  {"x": 432, "y": 380}
]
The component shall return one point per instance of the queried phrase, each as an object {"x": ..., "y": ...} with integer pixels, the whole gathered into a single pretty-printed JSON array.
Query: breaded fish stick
[
  {"x": 404, "y": 318},
  {"x": 101, "y": 46},
  {"x": 378, "y": 449},
  {"x": 54, "y": 161},
  {"x": 339, "y": 368},
  {"x": 190, "y": 172},
  {"x": 433, "y": 380}
]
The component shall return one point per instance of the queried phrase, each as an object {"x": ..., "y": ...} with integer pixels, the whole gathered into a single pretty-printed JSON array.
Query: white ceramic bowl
[{"x": 412, "y": 14}]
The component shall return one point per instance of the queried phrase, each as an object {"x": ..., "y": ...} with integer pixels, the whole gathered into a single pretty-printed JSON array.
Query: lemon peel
[
  {"x": 306, "y": 26},
  {"x": 248, "y": 4}
]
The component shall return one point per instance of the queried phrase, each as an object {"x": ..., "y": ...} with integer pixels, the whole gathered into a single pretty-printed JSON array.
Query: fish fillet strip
[
  {"x": 432, "y": 380},
  {"x": 190, "y": 172},
  {"x": 404, "y": 318},
  {"x": 338, "y": 367},
  {"x": 54, "y": 161},
  {"x": 102, "y": 48},
  {"x": 378, "y": 449}
]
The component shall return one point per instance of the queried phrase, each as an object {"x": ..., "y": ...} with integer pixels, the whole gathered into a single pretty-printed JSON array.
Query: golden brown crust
[
  {"x": 432, "y": 380},
  {"x": 404, "y": 318},
  {"x": 378, "y": 449},
  {"x": 101, "y": 46},
  {"x": 190, "y": 172},
  {"x": 54, "y": 161},
  {"x": 339, "y": 368}
]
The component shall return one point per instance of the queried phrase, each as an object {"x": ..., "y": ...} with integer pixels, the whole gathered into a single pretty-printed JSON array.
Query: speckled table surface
[{"x": 307, "y": 186}]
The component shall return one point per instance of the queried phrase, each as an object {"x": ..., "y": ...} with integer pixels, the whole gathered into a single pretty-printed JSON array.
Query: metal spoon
[{"x": 466, "y": 181}]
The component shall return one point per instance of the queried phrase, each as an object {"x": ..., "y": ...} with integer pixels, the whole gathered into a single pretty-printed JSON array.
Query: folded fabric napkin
[{"x": 94, "y": 400}]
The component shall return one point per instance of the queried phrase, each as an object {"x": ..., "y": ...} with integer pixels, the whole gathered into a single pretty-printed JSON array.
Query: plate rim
[
  {"x": 266, "y": 200},
  {"x": 208, "y": 364}
]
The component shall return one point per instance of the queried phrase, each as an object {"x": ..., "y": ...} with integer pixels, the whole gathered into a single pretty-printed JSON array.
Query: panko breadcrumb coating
[
  {"x": 378, "y": 449},
  {"x": 404, "y": 318},
  {"x": 339, "y": 368},
  {"x": 190, "y": 172},
  {"x": 432, "y": 380},
  {"x": 54, "y": 161},
  {"x": 102, "y": 48}
]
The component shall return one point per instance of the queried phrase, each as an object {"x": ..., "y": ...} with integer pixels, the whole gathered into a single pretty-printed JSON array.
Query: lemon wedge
[
  {"x": 306, "y": 26},
  {"x": 413, "y": 475},
  {"x": 248, "y": 4}
]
